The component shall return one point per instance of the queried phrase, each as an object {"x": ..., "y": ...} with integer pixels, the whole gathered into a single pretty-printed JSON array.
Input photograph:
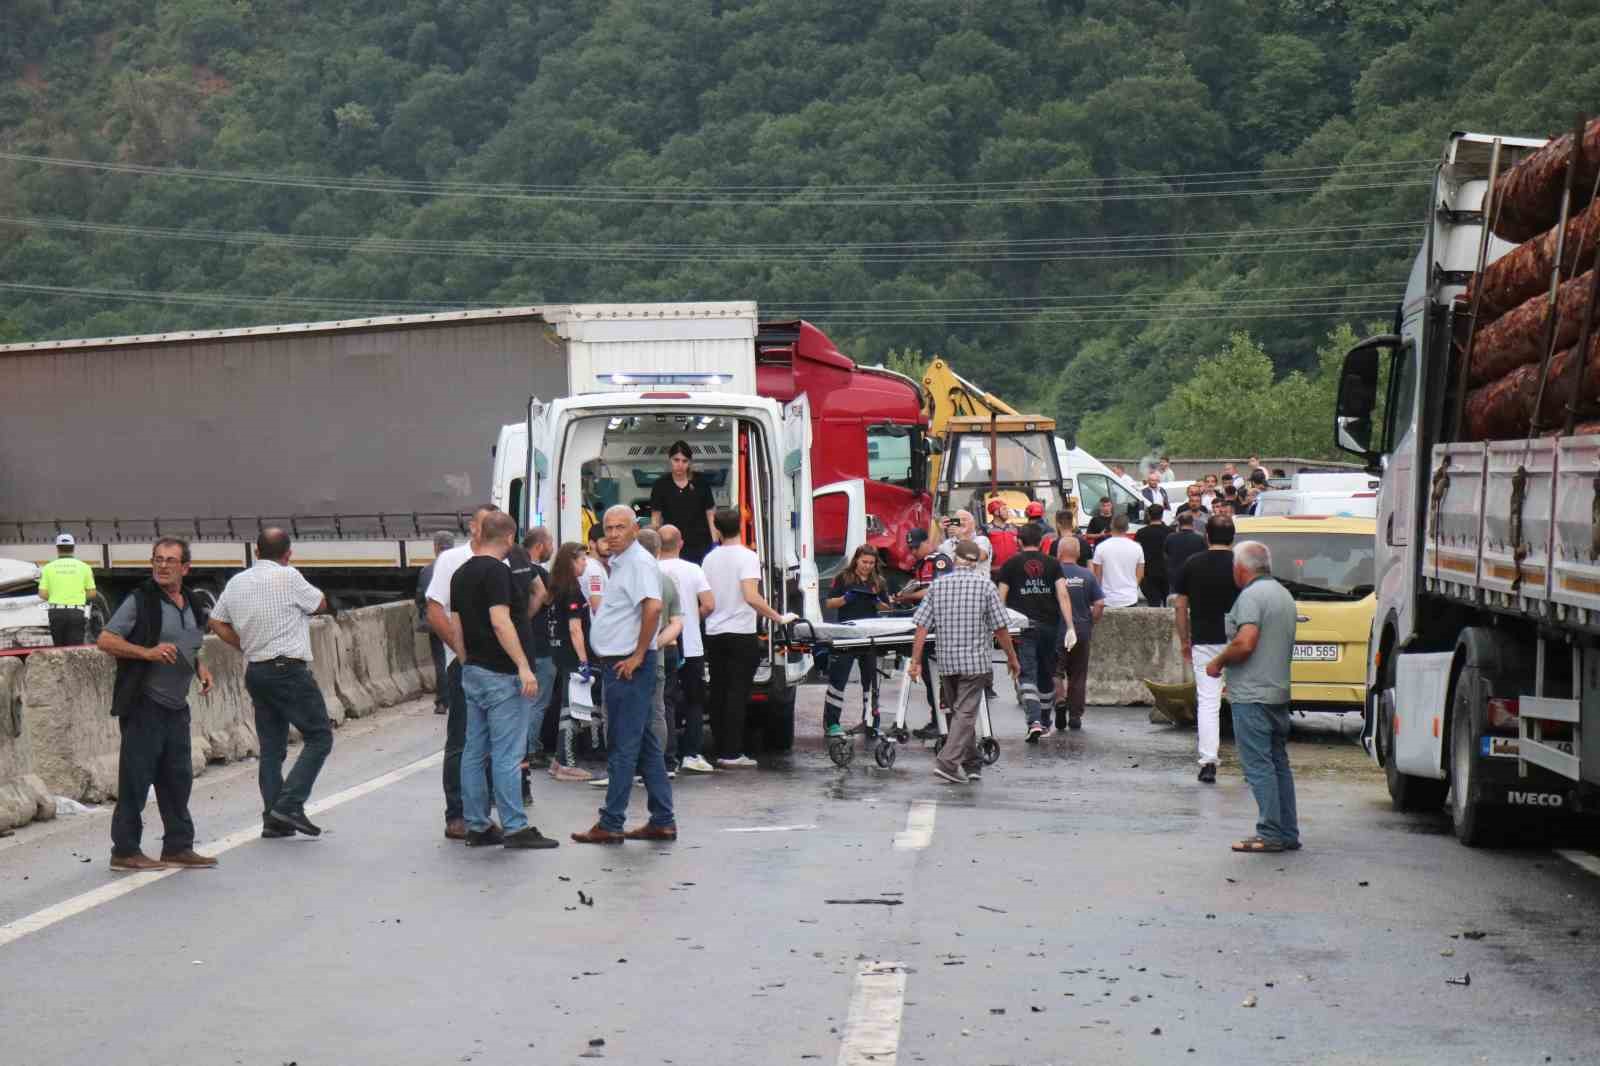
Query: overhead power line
[
  {"x": 1377, "y": 175},
  {"x": 1158, "y": 246}
]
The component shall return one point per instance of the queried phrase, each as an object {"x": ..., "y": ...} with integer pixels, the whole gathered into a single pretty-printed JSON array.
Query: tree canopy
[{"x": 1138, "y": 216}]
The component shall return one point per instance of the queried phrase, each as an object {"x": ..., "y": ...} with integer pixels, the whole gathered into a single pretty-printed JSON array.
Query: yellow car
[{"x": 1327, "y": 563}]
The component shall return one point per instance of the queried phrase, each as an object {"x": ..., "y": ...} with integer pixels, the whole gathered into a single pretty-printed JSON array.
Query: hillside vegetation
[{"x": 1136, "y": 215}]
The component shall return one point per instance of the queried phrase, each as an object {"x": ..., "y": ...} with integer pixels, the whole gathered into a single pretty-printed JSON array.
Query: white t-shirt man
[
  {"x": 444, "y": 568},
  {"x": 726, "y": 567},
  {"x": 1119, "y": 559},
  {"x": 691, "y": 581}
]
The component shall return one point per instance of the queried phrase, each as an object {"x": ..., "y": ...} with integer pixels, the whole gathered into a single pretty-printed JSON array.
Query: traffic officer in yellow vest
[{"x": 66, "y": 584}]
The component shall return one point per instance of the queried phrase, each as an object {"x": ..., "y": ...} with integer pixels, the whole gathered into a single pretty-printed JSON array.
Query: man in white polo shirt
[{"x": 1119, "y": 565}]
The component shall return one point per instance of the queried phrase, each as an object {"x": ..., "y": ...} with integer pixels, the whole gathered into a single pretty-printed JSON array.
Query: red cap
[
  {"x": 1035, "y": 509},
  {"x": 998, "y": 507}
]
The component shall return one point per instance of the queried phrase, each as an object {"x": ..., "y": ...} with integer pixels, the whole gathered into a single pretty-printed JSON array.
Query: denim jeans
[
  {"x": 631, "y": 744},
  {"x": 544, "y": 672},
  {"x": 692, "y": 689},
  {"x": 1036, "y": 651},
  {"x": 284, "y": 695},
  {"x": 497, "y": 727},
  {"x": 1261, "y": 732}
]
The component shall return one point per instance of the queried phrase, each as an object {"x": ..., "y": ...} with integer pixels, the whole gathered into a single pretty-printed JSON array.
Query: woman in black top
[
  {"x": 684, "y": 500},
  {"x": 859, "y": 591},
  {"x": 567, "y": 633}
]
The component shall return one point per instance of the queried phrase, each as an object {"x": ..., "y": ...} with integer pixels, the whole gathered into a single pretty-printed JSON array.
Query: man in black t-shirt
[
  {"x": 498, "y": 682},
  {"x": 530, "y": 610},
  {"x": 1206, "y": 592},
  {"x": 1152, "y": 537},
  {"x": 1183, "y": 543},
  {"x": 1031, "y": 582},
  {"x": 1101, "y": 522},
  {"x": 684, "y": 500}
]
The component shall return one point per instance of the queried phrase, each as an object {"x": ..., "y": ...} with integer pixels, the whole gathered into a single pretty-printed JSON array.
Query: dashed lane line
[
  {"x": 918, "y": 832},
  {"x": 769, "y": 828},
  {"x": 872, "y": 1030},
  {"x": 126, "y": 883}
]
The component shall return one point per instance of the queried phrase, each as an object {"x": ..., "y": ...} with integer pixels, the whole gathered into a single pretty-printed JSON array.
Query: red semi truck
[{"x": 867, "y": 423}]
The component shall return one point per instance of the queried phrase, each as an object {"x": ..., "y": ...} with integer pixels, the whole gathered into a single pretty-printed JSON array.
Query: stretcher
[{"x": 893, "y": 635}]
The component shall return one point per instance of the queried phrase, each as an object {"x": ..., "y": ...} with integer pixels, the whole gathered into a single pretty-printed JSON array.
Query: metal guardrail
[{"x": 383, "y": 525}]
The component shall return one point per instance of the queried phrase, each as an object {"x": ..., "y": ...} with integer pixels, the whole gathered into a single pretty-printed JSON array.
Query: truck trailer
[
  {"x": 361, "y": 437},
  {"x": 1483, "y": 680}
]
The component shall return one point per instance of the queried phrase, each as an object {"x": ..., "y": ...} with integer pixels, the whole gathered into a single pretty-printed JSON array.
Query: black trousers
[
  {"x": 1155, "y": 590},
  {"x": 692, "y": 704},
  {"x": 67, "y": 626},
  {"x": 155, "y": 751},
  {"x": 455, "y": 742},
  {"x": 285, "y": 694},
  {"x": 733, "y": 658}
]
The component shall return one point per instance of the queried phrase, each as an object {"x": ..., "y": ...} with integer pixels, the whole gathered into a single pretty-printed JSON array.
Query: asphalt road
[{"x": 1080, "y": 905}]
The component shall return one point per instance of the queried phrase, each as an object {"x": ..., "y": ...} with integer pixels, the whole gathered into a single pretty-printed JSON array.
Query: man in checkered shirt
[
  {"x": 266, "y": 612},
  {"x": 965, "y": 613}
]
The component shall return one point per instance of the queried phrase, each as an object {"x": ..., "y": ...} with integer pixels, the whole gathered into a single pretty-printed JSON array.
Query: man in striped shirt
[{"x": 965, "y": 613}]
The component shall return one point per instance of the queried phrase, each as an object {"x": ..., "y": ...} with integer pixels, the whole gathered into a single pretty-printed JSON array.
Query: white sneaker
[
  {"x": 739, "y": 762},
  {"x": 599, "y": 782},
  {"x": 697, "y": 764}
]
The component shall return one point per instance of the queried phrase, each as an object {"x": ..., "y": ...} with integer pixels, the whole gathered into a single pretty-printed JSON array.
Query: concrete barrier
[
  {"x": 66, "y": 699},
  {"x": 1129, "y": 645},
  {"x": 423, "y": 649},
  {"x": 399, "y": 625},
  {"x": 368, "y": 640},
  {"x": 354, "y": 695},
  {"x": 222, "y": 723},
  {"x": 23, "y": 795},
  {"x": 325, "y": 665}
]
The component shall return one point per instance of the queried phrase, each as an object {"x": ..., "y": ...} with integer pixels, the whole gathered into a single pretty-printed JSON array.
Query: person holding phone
[{"x": 858, "y": 591}]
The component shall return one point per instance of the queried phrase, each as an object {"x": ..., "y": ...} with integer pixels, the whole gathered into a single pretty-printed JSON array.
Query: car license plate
[{"x": 1316, "y": 653}]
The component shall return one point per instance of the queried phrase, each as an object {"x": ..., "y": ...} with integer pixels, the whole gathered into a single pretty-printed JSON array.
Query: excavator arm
[{"x": 947, "y": 395}]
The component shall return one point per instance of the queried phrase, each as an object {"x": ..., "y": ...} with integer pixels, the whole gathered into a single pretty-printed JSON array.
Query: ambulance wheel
[
  {"x": 841, "y": 750},
  {"x": 884, "y": 753},
  {"x": 989, "y": 748}
]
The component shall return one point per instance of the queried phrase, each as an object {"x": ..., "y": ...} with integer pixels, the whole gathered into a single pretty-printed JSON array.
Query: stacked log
[
  {"x": 1528, "y": 196},
  {"x": 1504, "y": 366},
  {"x": 1524, "y": 272},
  {"x": 1514, "y": 339}
]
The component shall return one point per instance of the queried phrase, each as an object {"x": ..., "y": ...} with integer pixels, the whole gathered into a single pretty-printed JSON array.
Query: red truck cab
[{"x": 867, "y": 422}]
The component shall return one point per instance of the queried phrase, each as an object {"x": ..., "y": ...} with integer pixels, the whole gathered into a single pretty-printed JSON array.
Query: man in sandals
[{"x": 1260, "y": 630}]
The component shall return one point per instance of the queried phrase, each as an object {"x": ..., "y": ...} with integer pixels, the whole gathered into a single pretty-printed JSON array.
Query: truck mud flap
[{"x": 1499, "y": 784}]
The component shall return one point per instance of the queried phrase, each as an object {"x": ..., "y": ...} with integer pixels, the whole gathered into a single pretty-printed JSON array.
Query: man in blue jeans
[
  {"x": 498, "y": 683},
  {"x": 1260, "y": 629},
  {"x": 622, "y": 640}
]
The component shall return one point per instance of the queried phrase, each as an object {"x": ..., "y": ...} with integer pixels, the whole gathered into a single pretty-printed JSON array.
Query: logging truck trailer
[{"x": 1483, "y": 680}]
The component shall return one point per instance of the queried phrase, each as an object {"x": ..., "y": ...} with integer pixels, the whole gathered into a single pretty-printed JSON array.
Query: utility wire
[{"x": 1154, "y": 187}]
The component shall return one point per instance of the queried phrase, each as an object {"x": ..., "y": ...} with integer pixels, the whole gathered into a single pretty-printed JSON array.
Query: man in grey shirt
[{"x": 1260, "y": 629}]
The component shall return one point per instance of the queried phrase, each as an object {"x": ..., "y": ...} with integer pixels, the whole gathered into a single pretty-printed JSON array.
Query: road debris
[
  {"x": 1464, "y": 980},
  {"x": 1249, "y": 1001},
  {"x": 881, "y": 902},
  {"x": 1473, "y": 934},
  {"x": 586, "y": 900}
]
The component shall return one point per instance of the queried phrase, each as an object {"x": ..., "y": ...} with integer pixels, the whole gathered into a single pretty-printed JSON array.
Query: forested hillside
[{"x": 1079, "y": 202}]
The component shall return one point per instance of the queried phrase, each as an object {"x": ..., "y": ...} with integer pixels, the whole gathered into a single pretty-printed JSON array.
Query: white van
[
  {"x": 594, "y": 451},
  {"x": 1091, "y": 479},
  {"x": 1363, "y": 504}
]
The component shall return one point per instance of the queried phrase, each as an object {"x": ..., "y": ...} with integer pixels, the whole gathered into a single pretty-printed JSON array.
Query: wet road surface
[{"x": 1080, "y": 905}]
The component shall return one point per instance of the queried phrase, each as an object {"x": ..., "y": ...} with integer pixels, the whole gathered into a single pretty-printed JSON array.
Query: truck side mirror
[{"x": 1358, "y": 398}]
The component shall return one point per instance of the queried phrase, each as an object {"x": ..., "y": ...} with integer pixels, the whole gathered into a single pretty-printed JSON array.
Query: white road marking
[
  {"x": 127, "y": 883},
  {"x": 1581, "y": 859},
  {"x": 770, "y": 828},
  {"x": 918, "y": 832},
  {"x": 872, "y": 1031}
]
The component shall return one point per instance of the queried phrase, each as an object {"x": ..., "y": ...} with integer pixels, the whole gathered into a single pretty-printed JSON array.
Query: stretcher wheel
[
  {"x": 989, "y": 748},
  {"x": 884, "y": 753},
  {"x": 938, "y": 745},
  {"x": 841, "y": 750}
]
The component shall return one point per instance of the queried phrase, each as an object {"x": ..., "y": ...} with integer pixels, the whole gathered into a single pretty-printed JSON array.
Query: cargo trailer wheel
[
  {"x": 1406, "y": 793},
  {"x": 1476, "y": 823}
]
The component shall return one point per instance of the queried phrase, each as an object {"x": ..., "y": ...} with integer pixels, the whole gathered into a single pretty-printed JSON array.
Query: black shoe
[
  {"x": 1075, "y": 722},
  {"x": 528, "y": 839},
  {"x": 927, "y": 732},
  {"x": 489, "y": 836},
  {"x": 274, "y": 832},
  {"x": 1208, "y": 773},
  {"x": 294, "y": 820},
  {"x": 440, "y": 708}
]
